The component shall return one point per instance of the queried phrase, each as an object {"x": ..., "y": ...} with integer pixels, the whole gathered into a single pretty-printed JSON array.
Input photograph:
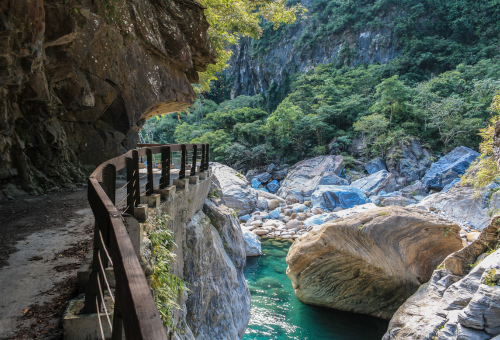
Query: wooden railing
[{"x": 134, "y": 307}]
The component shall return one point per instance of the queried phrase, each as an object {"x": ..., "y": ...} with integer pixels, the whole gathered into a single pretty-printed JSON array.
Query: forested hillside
[{"x": 438, "y": 84}]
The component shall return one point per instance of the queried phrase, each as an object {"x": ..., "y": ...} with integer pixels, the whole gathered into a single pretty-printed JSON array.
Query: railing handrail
[{"x": 134, "y": 303}]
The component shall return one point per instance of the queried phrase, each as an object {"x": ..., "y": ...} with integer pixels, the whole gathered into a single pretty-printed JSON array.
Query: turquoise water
[{"x": 278, "y": 315}]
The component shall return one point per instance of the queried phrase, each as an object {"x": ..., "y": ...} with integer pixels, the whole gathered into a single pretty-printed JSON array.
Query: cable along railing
[{"x": 134, "y": 308}]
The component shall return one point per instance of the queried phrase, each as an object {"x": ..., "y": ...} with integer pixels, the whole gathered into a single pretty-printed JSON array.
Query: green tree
[
  {"x": 392, "y": 95},
  {"x": 231, "y": 19}
]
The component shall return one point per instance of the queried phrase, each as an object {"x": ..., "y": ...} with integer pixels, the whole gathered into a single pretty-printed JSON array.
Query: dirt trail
[{"x": 43, "y": 240}]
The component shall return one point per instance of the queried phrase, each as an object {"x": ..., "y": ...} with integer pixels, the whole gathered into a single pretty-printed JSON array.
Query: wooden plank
[{"x": 130, "y": 187}]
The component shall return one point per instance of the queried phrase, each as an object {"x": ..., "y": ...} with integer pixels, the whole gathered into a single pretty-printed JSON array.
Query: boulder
[
  {"x": 279, "y": 174},
  {"x": 449, "y": 167},
  {"x": 262, "y": 204},
  {"x": 306, "y": 175},
  {"x": 409, "y": 160},
  {"x": 270, "y": 168},
  {"x": 327, "y": 197},
  {"x": 273, "y": 186},
  {"x": 270, "y": 196},
  {"x": 264, "y": 178},
  {"x": 371, "y": 185},
  {"x": 332, "y": 179},
  {"x": 255, "y": 183},
  {"x": 335, "y": 215},
  {"x": 375, "y": 165},
  {"x": 417, "y": 189},
  {"x": 456, "y": 304},
  {"x": 236, "y": 191},
  {"x": 460, "y": 205},
  {"x": 252, "y": 244},
  {"x": 370, "y": 262},
  {"x": 401, "y": 201}
]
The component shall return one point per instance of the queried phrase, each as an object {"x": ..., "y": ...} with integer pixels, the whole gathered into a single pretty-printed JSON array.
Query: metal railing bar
[
  {"x": 99, "y": 318},
  {"x": 103, "y": 303},
  {"x": 105, "y": 250},
  {"x": 123, "y": 187},
  {"x": 126, "y": 196}
]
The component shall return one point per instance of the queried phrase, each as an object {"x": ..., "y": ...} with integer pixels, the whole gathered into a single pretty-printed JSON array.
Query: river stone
[
  {"x": 260, "y": 231},
  {"x": 273, "y": 204},
  {"x": 306, "y": 175},
  {"x": 375, "y": 165},
  {"x": 370, "y": 262},
  {"x": 236, "y": 191},
  {"x": 264, "y": 178},
  {"x": 373, "y": 184},
  {"x": 214, "y": 272},
  {"x": 449, "y": 167},
  {"x": 327, "y": 197},
  {"x": 279, "y": 174},
  {"x": 271, "y": 196},
  {"x": 255, "y": 183},
  {"x": 461, "y": 205},
  {"x": 273, "y": 186}
]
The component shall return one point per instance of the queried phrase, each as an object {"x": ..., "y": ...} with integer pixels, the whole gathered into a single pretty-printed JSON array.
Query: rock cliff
[
  {"x": 257, "y": 70},
  {"x": 78, "y": 79}
]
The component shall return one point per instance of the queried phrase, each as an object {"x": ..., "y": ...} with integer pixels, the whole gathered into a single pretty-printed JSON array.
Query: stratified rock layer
[
  {"x": 462, "y": 299},
  {"x": 79, "y": 79},
  {"x": 370, "y": 262}
]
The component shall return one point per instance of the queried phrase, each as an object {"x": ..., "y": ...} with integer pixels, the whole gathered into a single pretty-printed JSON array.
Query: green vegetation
[
  {"x": 490, "y": 278},
  {"x": 484, "y": 170},
  {"x": 167, "y": 287},
  {"x": 439, "y": 88}
]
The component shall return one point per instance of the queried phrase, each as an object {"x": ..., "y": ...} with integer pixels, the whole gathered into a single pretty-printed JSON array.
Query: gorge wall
[
  {"x": 259, "y": 66},
  {"x": 78, "y": 79}
]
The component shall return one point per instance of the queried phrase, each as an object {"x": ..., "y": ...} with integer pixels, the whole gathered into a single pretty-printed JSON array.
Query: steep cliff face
[
  {"x": 78, "y": 79},
  {"x": 288, "y": 51}
]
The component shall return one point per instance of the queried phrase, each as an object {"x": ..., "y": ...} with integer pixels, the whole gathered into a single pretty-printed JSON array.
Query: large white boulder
[
  {"x": 252, "y": 243},
  {"x": 305, "y": 176},
  {"x": 461, "y": 205},
  {"x": 236, "y": 191}
]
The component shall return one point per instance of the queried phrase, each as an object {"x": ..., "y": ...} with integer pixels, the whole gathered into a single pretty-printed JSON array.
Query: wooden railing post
[
  {"x": 149, "y": 184},
  {"x": 137, "y": 179},
  {"x": 109, "y": 182},
  {"x": 207, "y": 156},
  {"x": 130, "y": 186},
  {"x": 165, "y": 167},
  {"x": 182, "y": 173},
  {"x": 195, "y": 154},
  {"x": 202, "y": 162}
]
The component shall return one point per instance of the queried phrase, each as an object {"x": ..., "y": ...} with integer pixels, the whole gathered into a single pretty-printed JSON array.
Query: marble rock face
[
  {"x": 449, "y": 167},
  {"x": 236, "y": 191},
  {"x": 372, "y": 261},
  {"x": 460, "y": 301},
  {"x": 305, "y": 176}
]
